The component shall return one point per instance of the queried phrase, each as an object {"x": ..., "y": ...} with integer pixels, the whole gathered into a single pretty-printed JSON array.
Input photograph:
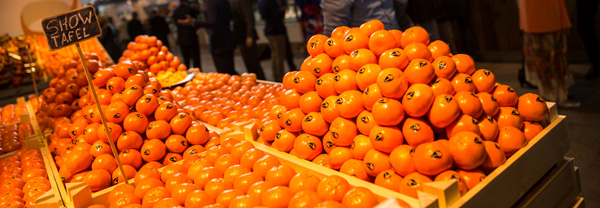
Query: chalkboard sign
[{"x": 71, "y": 27}]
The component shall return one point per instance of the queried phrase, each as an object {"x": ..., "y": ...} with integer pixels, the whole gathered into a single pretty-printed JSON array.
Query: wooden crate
[{"x": 557, "y": 189}]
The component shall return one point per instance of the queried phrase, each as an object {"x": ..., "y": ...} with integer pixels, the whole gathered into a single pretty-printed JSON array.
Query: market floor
[{"x": 583, "y": 122}]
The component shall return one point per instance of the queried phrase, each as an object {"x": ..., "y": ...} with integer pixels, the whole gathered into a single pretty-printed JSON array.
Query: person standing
[
  {"x": 218, "y": 17},
  {"x": 245, "y": 36},
  {"x": 586, "y": 21},
  {"x": 123, "y": 34},
  {"x": 545, "y": 24},
  {"x": 134, "y": 26},
  {"x": 273, "y": 12},
  {"x": 159, "y": 27},
  {"x": 109, "y": 38},
  {"x": 353, "y": 13},
  {"x": 187, "y": 39}
]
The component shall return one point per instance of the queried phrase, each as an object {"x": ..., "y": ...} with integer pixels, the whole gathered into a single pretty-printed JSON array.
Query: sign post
[
  {"x": 71, "y": 28},
  {"x": 32, "y": 70}
]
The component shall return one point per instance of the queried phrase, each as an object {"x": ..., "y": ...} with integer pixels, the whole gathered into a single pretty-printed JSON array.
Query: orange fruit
[
  {"x": 463, "y": 82},
  {"x": 417, "y": 100},
  {"x": 316, "y": 44},
  {"x": 386, "y": 138},
  {"x": 494, "y": 156},
  {"x": 397, "y": 35},
  {"x": 453, "y": 175},
  {"x": 393, "y": 58},
  {"x": 371, "y": 95},
  {"x": 506, "y": 96},
  {"x": 391, "y": 83},
  {"x": 303, "y": 199},
  {"x": 280, "y": 175},
  {"x": 325, "y": 85},
  {"x": 414, "y": 34},
  {"x": 439, "y": 48},
  {"x": 136, "y": 122},
  {"x": 371, "y": 26},
  {"x": 469, "y": 104},
  {"x": 367, "y": 75},
  {"x": 432, "y": 158},
  {"x": 158, "y": 129},
  {"x": 259, "y": 188},
  {"x": 268, "y": 130},
  {"x": 290, "y": 99},
  {"x": 345, "y": 80},
  {"x": 293, "y": 120},
  {"x": 308, "y": 146},
  {"x": 354, "y": 39},
  {"x": 361, "y": 57},
  {"x": 464, "y": 64},
  {"x": 467, "y": 149},
  {"x": 509, "y": 116},
  {"x": 343, "y": 131},
  {"x": 388, "y": 112},
  {"x": 376, "y": 162},
  {"x": 359, "y": 197},
  {"x": 339, "y": 32},
  {"x": 442, "y": 86},
  {"x": 418, "y": 51},
  {"x": 310, "y": 102},
  {"x": 288, "y": 78},
  {"x": 329, "y": 109},
  {"x": 532, "y": 107},
  {"x": 329, "y": 204},
  {"x": 412, "y": 183},
  {"x": 333, "y": 188},
  {"x": 153, "y": 150},
  {"x": 531, "y": 129},
  {"x": 488, "y": 128},
  {"x": 338, "y": 156},
  {"x": 417, "y": 131},
  {"x": 380, "y": 41},
  {"x": 334, "y": 47},
  {"x": 419, "y": 71},
  {"x": 304, "y": 182},
  {"x": 313, "y": 123},
  {"x": 484, "y": 80},
  {"x": 388, "y": 179},
  {"x": 471, "y": 177},
  {"x": 511, "y": 139},
  {"x": 304, "y": 82},
  {"x": 360, "y": 146},
  {"x": 365, "y": 122},
  {"x": 349, "y": 103},
  {"x": 444, "y": 67},
  {"x": 444, "y": 111},
  {"x": 322, "y": 160},
  {"x": 340, "y": 63},
  {"x": 278, "y": 196},
  {"x": 461, "y": 124},
  {"x": 489, "y": 104},
  {"x": 328, "y": 144},
  {"x": 320, "y": 65}
]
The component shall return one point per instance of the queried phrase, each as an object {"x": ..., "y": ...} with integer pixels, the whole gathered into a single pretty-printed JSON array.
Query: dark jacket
[
  {"x": 186, "y": 34},
  {"x": 243, "y": 20},
  {"x": 273, "y": 12},
  {"x": 135, "y": 28},
  {"x": 159, "y": 27},
  {"x": 218, "y": 17}
]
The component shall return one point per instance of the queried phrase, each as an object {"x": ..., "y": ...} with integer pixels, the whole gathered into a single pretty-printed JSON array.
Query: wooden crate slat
[{"x": 558, "y": 189}]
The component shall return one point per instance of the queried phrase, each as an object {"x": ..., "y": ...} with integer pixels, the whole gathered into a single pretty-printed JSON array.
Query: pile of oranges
[
  {"x": 23, "y": 178},
  {"x": 144, "y": 122},
  {"x": 12, "y": 136},
  {"x": 221, "y": 99},
  {"x": 11, "y": 113},
  {"x": 395, "y": 109},
  {"x": 236, "y": 174},
  {"x": 153, "y": 55},
  {"x": 57, "y": 62}
]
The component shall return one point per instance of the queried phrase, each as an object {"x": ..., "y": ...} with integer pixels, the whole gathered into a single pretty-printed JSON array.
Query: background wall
[{"x": 23, "y": 17}]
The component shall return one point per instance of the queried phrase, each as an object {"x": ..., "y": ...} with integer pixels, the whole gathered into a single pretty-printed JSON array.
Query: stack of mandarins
[
  {"x": 23, "y": 178},
  {"x": 145, "y": 123},
  {"x": 221, "y": 99},
  {"x": 395, "y": 109},
  {"x": 236, "y": 174},
  {"x": 151, "y": 53}
]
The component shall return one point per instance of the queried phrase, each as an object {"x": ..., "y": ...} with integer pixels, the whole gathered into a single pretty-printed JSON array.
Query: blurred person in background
[
  {"x": 586, "y": 23},
  {"x": 402, "y": 17},
  {"x": 353, "y": 13},
  {"x": 217, "y": 21},
  {"x": 159, "y": 27},
  {"x": 123, "y": 34},
  {"x": 311, "y": 19},
  {"x": 425, "y": 13},
  {"x": 245, "y": 35},
  {"x": 545, "y": 24},
  {"x": 134, "y": 26},
  {"x": 273, "y": 12},
  {"x": 109, "y": 38},
  {"x": 187, "y": 39}
]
